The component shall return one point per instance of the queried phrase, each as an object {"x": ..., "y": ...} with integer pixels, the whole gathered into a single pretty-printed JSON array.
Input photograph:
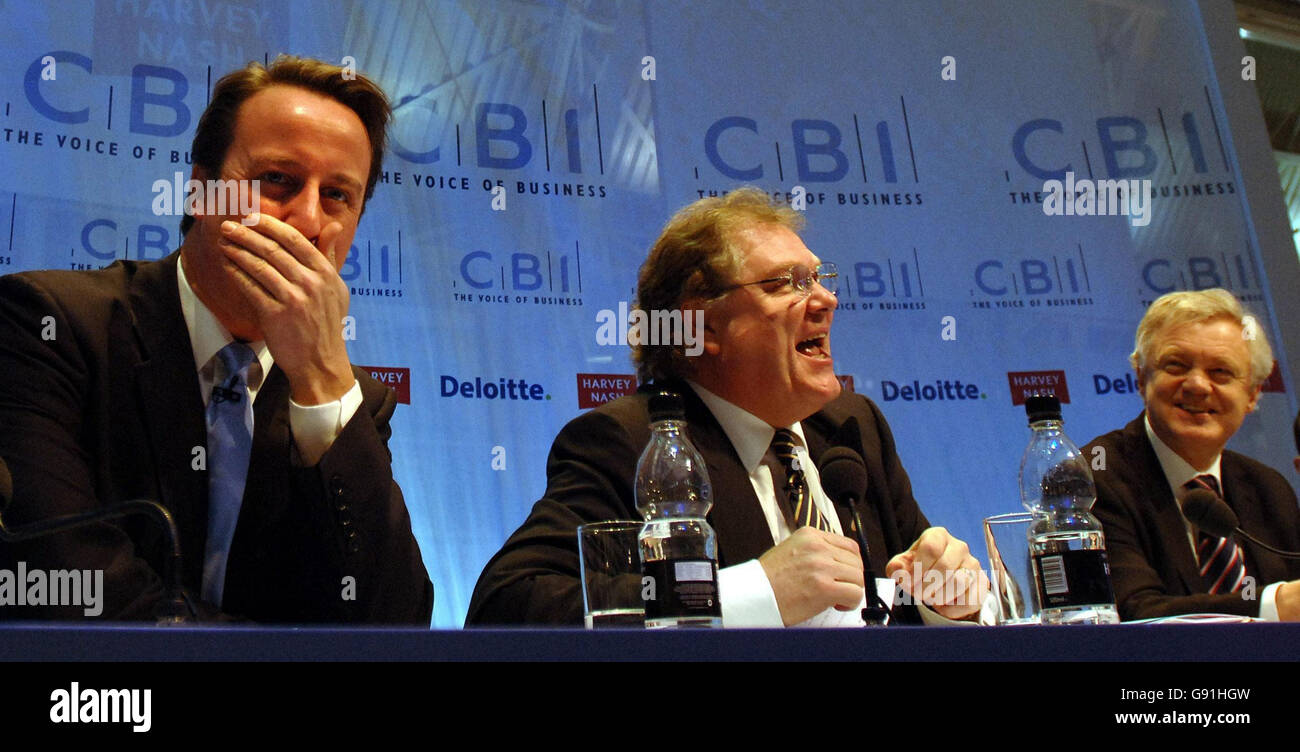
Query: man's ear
[
  {"x": 699, "y": 311},
  {"x": 201, "y": 175}
]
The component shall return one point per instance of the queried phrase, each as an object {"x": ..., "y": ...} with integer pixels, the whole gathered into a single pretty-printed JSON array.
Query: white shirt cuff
[
  {"x": 747, "y": 597},
  {"x": 1268, "y": 602},
  {"x": 315, "y": 427}
]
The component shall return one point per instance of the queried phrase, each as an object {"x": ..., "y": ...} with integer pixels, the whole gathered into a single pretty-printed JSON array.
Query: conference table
[
  {"x": 1121, "y": 643},
  {"x": 1156, "y": 677}
]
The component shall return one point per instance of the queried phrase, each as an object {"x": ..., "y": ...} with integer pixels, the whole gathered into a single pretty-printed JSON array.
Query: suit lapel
[
  {"x": 1169, "y": 518},
  {"x": 737, "y": 517},
  {"x": 167, "y": 394},
  {"x": 271, "y": 446},
  {"x": 817, "y": 441},
  {"x": 267, "y": 491},
  {"x": 829, "y": 428},
  {"x": 1239, "y": 492}
]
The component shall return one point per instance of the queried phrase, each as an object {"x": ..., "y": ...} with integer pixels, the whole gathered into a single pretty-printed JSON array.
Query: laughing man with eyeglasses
[{"x": 764, "y": 408}]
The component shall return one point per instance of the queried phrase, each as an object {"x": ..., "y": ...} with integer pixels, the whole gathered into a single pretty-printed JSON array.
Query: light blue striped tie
[{"x": 230, "y": 441}]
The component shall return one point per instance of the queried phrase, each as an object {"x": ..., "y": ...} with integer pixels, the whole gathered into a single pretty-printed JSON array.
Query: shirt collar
[
  {"x": 1177, "y": 470},
  {"x": 750, "y": 435},
  {"x": 207, "y": 334}
]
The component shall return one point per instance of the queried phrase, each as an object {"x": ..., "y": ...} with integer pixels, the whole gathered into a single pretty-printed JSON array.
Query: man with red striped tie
[{"x": 1200, "y": 361}]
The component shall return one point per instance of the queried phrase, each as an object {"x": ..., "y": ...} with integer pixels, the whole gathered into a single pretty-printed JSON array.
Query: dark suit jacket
[
  {"x": 1152, "y": 566},
  {"x": 100, "y": 403},
  {"x": 590, "y": 474}
]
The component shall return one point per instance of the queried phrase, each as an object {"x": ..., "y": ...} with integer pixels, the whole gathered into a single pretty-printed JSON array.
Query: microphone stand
[{"x": 177, "y": 607}]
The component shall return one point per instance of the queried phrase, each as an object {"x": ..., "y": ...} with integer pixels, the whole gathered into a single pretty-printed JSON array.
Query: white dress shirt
[
  {"x": 314, "y": 427},
  {"x": 745, "y": 592},
  {"x": 1178, "y": 472}
]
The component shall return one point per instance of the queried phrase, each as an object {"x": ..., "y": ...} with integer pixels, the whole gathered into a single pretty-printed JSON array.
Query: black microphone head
[
  {"x": 6, "y": 485},
  {"x": 1204, "y": 509},
  {"x": 843, "y": 474}
]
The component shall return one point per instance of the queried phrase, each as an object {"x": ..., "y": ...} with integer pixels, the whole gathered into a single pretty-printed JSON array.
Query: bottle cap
[
  {"x": 1043, "y": 407},
  {"x": 666, "y": 404}
]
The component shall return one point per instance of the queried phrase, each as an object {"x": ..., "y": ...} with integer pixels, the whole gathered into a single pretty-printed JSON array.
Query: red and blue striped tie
[{"x": 1223, "y": 565}]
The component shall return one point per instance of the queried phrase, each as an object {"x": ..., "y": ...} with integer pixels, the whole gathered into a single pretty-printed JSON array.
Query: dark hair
[
  {"x": 695, "y": 257},
  {"x": 216, "y": 127}
]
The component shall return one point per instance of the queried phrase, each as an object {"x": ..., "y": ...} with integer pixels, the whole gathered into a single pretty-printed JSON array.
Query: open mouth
[
  {"x": 1194, "y": 410},
  {"x": 815, "y": 347}
]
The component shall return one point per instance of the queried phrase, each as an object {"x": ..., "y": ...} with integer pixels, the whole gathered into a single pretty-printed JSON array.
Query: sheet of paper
[{"x": 833, "y": 617}]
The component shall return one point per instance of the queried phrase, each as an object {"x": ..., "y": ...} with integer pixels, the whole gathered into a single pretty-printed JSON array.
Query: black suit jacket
[
  {"x": 1152, "y": 566},
  {"x": 100, "y": 403},
  {"x": 590, "y": 474}
]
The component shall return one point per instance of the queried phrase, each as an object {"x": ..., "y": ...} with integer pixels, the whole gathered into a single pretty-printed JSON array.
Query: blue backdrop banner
[{"x": 539, "y": 147}]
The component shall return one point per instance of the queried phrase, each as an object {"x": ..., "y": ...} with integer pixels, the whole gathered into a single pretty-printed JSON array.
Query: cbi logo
[
  {"x": 897, "y": 275},
  {"x": 1235, "y": 271},
  {"x": 1045, "y": 149},
  {"x": 372, "y": 267},
  {"x": 1035, "y": 280},
  {"x": 500, "y": 130},
  {"x": 521, "y": 271},
  {"x": 501, "y": 139},
  {"x": 821, "y": 148},
  {"x": 153, "y": 89}
]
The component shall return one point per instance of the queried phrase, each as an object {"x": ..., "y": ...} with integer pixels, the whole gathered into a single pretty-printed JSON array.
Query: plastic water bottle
[
  {"x": 679, "y": 550},
  {"x": 1066, "y": 542}
]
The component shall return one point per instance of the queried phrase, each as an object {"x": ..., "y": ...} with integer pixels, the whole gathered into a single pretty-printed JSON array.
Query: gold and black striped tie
[{"x": 803, "y": 510}]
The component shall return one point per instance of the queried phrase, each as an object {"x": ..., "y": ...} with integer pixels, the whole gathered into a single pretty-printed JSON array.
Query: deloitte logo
[
  {"x": 503, "y": 389},
  {"x": 942, "y": 390}
]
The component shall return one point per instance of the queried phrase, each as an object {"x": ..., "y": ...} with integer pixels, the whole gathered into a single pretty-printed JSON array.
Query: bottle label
[
  {"x": 1073, "y": 578},
  {"x": 680, "y": 587}
]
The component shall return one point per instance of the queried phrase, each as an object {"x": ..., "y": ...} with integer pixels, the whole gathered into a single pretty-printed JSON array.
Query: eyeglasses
[{"x": 802, "y": 279}]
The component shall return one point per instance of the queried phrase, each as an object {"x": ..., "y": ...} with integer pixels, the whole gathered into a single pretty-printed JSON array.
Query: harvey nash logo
[
  {"x": 1034, "y": 383},
  {"x": 595, "y": 389},
  {"x": 397, "y": 378}
]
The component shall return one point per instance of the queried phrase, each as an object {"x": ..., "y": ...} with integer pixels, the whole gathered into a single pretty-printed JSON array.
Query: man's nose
[
  {"x": 303, "y": 211},
  {"x": 1196, "y": 382},
  {"x": 820, "y": 299}
]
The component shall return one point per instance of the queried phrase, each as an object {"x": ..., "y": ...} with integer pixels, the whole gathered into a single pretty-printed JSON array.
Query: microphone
[
  {"x": 221, "y": 394},
  {"x": 1204, "y": 509},
  {"x": 844, "y": 479},
  {"x": 176, "y": 608}
]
